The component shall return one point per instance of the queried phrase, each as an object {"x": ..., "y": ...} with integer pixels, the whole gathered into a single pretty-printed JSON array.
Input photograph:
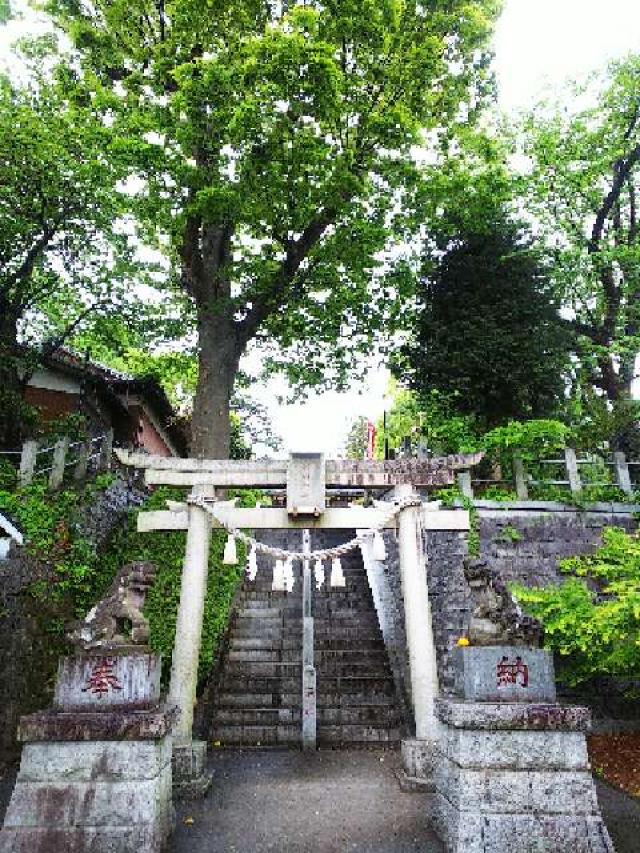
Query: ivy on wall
[
  {"x": 48, "y": 520},
  {"x": 166, "y": 550},
  {"x": 79, "y": 576}
]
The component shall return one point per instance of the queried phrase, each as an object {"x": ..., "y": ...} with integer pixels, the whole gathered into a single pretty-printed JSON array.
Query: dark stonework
[
  {"x": 543, "y": 539},
  {"x": 96, "y": 725}
]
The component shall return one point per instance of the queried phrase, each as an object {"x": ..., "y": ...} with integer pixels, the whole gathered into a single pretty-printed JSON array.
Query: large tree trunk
[
  {"x": 218, "y": 361},
  {"x": 12, "y": 381}
]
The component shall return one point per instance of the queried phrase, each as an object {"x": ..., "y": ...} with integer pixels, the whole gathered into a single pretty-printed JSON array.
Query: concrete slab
[{"x": 323, "y": 802}]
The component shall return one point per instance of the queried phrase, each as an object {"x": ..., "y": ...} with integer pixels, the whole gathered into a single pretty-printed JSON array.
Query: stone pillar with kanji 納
[
  {"x": 95, "y": 774},
  {"x": 513, "y": 772}
]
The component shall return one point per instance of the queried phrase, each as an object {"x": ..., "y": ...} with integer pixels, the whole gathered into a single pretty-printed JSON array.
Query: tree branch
[{"x": 621, "y": 171}]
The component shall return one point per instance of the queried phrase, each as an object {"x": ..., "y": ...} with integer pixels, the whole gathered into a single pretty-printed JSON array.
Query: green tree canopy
[
  {"x": 487, "y": 331},
  {"x": 273, "y": 143},
  {"x": 63, "y": 261},
  {"x": 581, "y": 188}
]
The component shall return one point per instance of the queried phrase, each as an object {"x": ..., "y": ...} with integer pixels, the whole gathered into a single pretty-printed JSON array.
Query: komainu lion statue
[
  {"x": 117, "y": 622},
  {"x": 497, "y": 619}
]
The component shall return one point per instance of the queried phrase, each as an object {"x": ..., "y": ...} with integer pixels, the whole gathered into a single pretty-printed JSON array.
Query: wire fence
[
  {"x": 82, "y": 458},
  {"x": 600, "y": 477}
]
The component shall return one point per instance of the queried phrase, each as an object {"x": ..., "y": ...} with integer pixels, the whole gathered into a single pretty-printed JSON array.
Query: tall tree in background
[
  {"x": 62, "y": 263},
  {"x": 274, "y": 145},
  {"x": 488, "y": 333},
  {"x": 357, "y": 440},
  {"x": 582, "y": 189}
]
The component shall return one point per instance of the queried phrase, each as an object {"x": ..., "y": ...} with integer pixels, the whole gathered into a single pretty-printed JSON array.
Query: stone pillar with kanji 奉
[
  {"x": 513, "y": 772},
  {"x": 95, "y": 774}
]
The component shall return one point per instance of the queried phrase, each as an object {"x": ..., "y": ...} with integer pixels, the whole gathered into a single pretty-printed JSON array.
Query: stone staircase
[{"x": 257, "y": 697}]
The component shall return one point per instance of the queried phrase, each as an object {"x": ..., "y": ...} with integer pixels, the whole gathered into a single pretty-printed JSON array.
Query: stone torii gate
[{"x": 306, "y": 476}]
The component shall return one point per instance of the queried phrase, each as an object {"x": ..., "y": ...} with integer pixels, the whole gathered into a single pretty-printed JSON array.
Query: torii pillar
[
  {"x": 189, "y": 756},
  {"x": 418, "y": 753}
]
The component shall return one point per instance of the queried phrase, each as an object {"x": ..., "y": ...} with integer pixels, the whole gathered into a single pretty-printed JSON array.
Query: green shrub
[{"x": 592, "y": 619}]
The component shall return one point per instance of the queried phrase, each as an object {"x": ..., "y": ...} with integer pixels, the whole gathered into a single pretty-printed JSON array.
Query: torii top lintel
[{"x": 159, "y": 470}]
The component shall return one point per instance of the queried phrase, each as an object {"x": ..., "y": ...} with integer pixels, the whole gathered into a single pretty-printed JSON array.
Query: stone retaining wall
[{"x": 524, "y": 542}]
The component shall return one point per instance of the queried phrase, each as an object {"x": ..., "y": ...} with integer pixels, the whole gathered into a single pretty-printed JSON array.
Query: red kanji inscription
[
  {"x": 102, "y": 678},
  {"x": 508, "y": 673}
]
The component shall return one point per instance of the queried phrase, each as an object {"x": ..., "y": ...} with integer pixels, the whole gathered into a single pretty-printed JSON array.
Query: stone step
[
  {"x": 281, "y": 735},
  {"x": 345, "y": 700},
  {"x": 325, "y": 661},
  {"x": 260, "y": 613},
  {"x": 363, "y": 715},
  {"x": 269, "y": 669},
  {"x": 232, "y": 683},
  {"x": 342, "y": 669},
  {"x": 358, "y": 735},
  {"x": 266, "y": 655},
  {"x": 368, "y": 646},
  {"x": 355, "y": 685},
  {"x": 246, "y": 716},
  {"x": 259, "y": 700}
]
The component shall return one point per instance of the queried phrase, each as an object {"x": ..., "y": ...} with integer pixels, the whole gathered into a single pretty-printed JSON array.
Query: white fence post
[
  {"x": 106, "y": 451},
  {"x": 521, "y": 478},
  {"x": 573, "y": 475},
  {"x": 623, "y": 477},
  {"x": 82, "y": 463},
  {"x": 57, "y": 465},
  {"x": 464, "y": 484},
  {"x": 27, "y": 462}
]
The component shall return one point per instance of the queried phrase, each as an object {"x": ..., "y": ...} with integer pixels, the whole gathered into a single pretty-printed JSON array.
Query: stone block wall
[
  {"x": 527, "y": 545},
  {"x": 524, "y": 545}
]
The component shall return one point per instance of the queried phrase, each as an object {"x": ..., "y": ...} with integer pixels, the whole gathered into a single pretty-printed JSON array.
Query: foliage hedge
[
  {"x": 166, "y": 550},
  {"x": 592, "y": 619},
  {"x": 80, "y": 575}
]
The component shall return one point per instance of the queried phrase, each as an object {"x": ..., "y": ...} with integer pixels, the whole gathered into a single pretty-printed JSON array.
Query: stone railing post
[
  {"x": 622, "y": 472},
  {"x": 464, "y": 484},
  {"x": 27, "y": 462},
  {"x": 309, "y": 700},
  {"x": 573, "y": 474},
  {"x": 106, "y": 451},
  {"x": 82, "y": 462},
  {"x": 521, "y": 478},
  {"x": 56, "y": 475}
]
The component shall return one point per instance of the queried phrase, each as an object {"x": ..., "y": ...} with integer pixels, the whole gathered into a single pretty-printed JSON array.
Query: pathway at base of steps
[{"x": 295, "y": 802}]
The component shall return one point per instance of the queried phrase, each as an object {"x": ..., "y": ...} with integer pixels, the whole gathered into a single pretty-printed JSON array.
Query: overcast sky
[{"x": 538, "y": 43}]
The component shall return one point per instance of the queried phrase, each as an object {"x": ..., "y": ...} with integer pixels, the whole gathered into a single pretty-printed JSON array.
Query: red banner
[{"x": 371, "y": 439}]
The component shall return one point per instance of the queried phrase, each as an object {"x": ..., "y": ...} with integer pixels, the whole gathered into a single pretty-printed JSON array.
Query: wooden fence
[
  {"x": 573, "y": 480},
  {"x": 55, "y": 460}
]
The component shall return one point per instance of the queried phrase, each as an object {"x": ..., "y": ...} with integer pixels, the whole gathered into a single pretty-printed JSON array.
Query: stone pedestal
[
  {"x": 419, "y": 759},
  {"x": 514, "y": 776},
  {"x": 95, "y": 775},
  {"x": 190, "y": 778}
]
